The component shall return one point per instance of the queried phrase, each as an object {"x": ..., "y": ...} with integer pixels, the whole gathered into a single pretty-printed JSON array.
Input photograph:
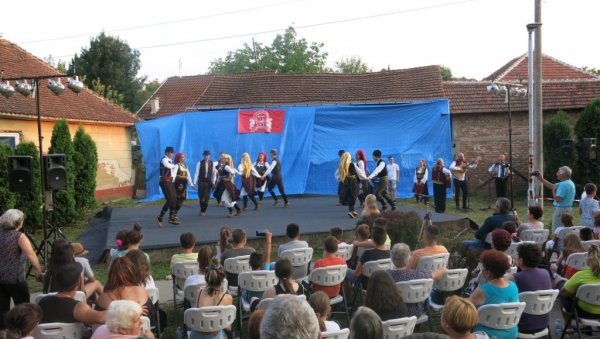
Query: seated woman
[
  {"x": 571, "y": 244},
  {"x": 23, "y": 319},
  {"x": 534, "y": 216},
  {"x": 459, "y": 316},
  {"x": 497, "y": 290},
  {"x": 384, "y": 298},
  {"x": 213, "y": 295},
  {"x": 319, "y": 301},
  {"x": 589, "y": 275},
  {"x": 365, "y": 324},
  {"x": 143, "y": 267},
  {"x": 123, "y": 321},
  {"x": 205, "y": 254},
  {"x": 286, "y": 285}
]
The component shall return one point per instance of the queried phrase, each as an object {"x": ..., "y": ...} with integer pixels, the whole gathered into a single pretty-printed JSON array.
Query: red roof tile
[
  {"x": 552, "y": 69},
  {"x": 85, "y": 106}
]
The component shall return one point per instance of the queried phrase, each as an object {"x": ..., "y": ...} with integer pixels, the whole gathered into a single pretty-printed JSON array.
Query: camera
[
  {"x": 260, "y": 233},
  {"x": 535, "y": 173}
]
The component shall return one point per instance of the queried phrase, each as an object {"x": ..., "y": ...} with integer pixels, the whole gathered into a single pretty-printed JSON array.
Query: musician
[
  {"x": 440, "y": 177},
  {"x": 168, "y": 172},
  {"x": 420, "y": 180},
  {"x": 459, "y": 168},
  {"x": 500, "y": 171}
]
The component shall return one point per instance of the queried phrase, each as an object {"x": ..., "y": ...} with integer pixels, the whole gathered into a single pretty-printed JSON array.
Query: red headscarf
[
  {"x": 178, "y": 157},
  {"x": 264, "y": 156},
  {"x": 361, "y": 156}
]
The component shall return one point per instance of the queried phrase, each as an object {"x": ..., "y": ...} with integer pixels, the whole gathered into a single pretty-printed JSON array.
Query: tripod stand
[{"x": 427, "y": 218}]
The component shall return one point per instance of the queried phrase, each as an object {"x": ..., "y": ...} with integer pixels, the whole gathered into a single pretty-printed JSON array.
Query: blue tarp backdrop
[{"x": 309, "y": 143}]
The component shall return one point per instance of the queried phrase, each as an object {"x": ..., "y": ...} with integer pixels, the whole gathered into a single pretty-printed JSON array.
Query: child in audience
[
  {"x": 135, "y": 239},
  {"x": 587, "y": 234},
  {"x": 555, "y": 244},
  {"x": 511, "y": 227},
  {"x": 224, "y": 240},
  {"x": 588, "y": 206},
  {"x": 572, "y": 244},
  {"x": 319, "y": 301},
  {"x": 121, "y": 242},
  {"x": 363, "y": 232},
  {"x": 143, "y": 267},
  {"x": 337, "y": 233},
  {"x": 23, "y": 319},
  {"x": 188, "y": 243}
]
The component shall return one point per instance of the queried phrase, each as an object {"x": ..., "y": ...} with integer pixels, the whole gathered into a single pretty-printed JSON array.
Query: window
[{"x": 11, "y": 139}]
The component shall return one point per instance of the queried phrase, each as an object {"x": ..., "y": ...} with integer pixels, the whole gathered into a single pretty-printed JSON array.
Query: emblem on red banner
[{"x": 261, "y": 121}]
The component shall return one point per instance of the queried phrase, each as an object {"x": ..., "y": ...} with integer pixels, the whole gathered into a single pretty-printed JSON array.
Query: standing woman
[
  {"x": 365, "y": 186},
  {"x": 348, "y": 175},
  {"x": 249, "y": 175},
  {"x": 15, "y": 249},
  {"x": 421, "y": 176},
  {"x": 182, "y": 179},
  {"x": 261, "y": 166},
  {"x": 226, "y": 192}
]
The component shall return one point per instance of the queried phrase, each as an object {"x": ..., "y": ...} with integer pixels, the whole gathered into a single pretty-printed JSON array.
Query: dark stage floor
[{"x": 314, "y": 214}]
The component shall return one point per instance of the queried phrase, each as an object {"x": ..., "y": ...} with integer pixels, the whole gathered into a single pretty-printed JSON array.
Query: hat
[
  {"x": 206, "y": 152},
  {"x": 169, "y": 149},
  {"x": 340, "y": 152},
  {"x": 67, "y": 276},
  {"x": 78, "y": 249}
]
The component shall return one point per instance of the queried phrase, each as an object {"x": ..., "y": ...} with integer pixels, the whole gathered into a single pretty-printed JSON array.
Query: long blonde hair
[
  {"x": 246, "y": 165},
  {"x": 228, "y": 161},
  {"x": 345, "y": 160},
  {"x": 370, "y": 206}
]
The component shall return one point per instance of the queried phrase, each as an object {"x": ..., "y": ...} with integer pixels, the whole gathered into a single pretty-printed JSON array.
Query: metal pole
[
  {"x": 538, "y": 114},
  {"x": 42, "y": 181},
  {"x": 510, "y": 158}
]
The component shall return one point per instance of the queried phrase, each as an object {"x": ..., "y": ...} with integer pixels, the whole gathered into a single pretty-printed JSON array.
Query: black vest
[
  {"x": 164, "y": 172},
  {"x": 383, "y": 172},
  {"x": 223, "y": 174},
  {"x": 260, "y": 167},
  {"x": 203, "y": 171},
  {"x": 277, "y": 169}
]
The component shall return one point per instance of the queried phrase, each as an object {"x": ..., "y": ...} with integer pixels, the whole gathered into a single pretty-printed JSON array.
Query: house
[{"x": 108, "y": 124}]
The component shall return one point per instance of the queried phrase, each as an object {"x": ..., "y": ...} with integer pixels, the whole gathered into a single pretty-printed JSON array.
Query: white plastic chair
[
  {"x": 538, "y": 303},
  {"x": 235, "y": 266},
  {"x": 191, "y": 293},
  {"x": 432, "y": 263},
  {"x": 345, "y": 251},
  {"x": 399, "y": 328},
  {"x": 331, "y": 276},
  {"x": 253, "y": 281},
  {"x": 414, "y": 292},
  {"x": 588, "y": 293},
  {"x": 181, "y": 271},
  {"x": 340, "y": 334},
  {"x": 264, "y": 303},
  {"x": 376, "y": 265},
  {"x": 539, "y": 236},
  {"x": 452, "y": 280},
  {"x": 79, "y": 296},
  {"x": 154, "y": 296},
  {"x": 588, "y": 243},
  {"x": 145, "y": 324},
  {"x": 511, "y": 270},
  {"x": 209, "y": 319},
  {"x": 562, "y": 234},
  {"x": 59, "y": 331},
  {"x": 501, "y": 316},
  {"x": 577, "y": 260},
  {"x": 512, "y": 249},
  {"x": 300, "y": 258}
]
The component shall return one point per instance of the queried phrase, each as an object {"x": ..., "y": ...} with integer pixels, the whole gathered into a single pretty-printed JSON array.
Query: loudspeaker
[
  {"x": 55, "y": 171},
  {"x": 589, "y": 148},
  {"x": 20, "y": 173},
  {"x": 567, "y": 148}
]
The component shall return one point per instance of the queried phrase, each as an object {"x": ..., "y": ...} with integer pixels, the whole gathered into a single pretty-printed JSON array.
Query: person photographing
[{"x": 563, "y": 194}]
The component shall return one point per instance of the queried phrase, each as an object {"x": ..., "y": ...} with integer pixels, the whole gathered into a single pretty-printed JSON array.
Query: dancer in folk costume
[
  {"x": 261, "y": 166},
  {"x": 182, "y": 179},
  {"x": 167, "y": 173},
  {"x": 420, "y": 188},
  {"x": 226, "y": 192},
  {"x": 249, "y": 175},
  {"x": 365, "y": 186},
  {"x": 348, "y": 174},
  {"x": 276, "y": 178}
]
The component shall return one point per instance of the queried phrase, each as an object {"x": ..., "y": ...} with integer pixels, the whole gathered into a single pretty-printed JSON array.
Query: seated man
[
  {"x": 379, "y": 252},
  {"x": 188, "y": 243},
  {"x": 500, "y": 215},
  {"x": 238, "y": 248},
  {"x": 429, "y": 237},
  {"x": 329, "y": 259},
  {"x": 293, "y": 234},
  {"x": 62, "y": 307}
]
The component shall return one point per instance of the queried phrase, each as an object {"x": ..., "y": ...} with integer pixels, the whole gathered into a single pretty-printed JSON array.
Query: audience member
[
  {"x": 285, "y": 285},
  {"x": 572, "y": 244},
  {"x": 121, "y": 242},
  {"x": 427, "y": 335},
  {"x": 93, "y": 287},
  {"x": 501, "y": 214},
  {"x": 61, "y": 254},
  {"x": 254, "y": 323},
  {"x": 213, "y": 295},
  {"x": 23, "y": 319},
  {"x": 531, "y": 278},
  {"x": 62, "y": 307},
  {"x": 370, "y": 206},
  {"x": 366, "y": 324},
  {"x": 589, "y": 275},
  {"x": 534, "y": 216},
  {"x": 225, "y": 238},
  {"x": 379, "y": 252},
  {"x": 563, "y": 194},
  {"x": 429, "y": 238},
  {"x": 138, "y": 258},
  {"x": 337, "y": 232},
  {"x": 188, "y": 243},
  {"x": 459, "y": 316},
  {"x": 239, "y": 247},
  {"x": 362, "y": 234},
  {"x": 587, "y": 234},
  {"x": 290, "y": 317},
  {"x": 384, "y": 298},
  {"x": 319, "y": 301},
  {"x": 500, "y": 242},
  {"x": 588, "y": 206},
  {"x": 205, "y": 254},
  {"x": 556, "y": 244},
  {"x": 511, "y": 228},
  {"x": 498, "y": 290},
  {"x": 329, "y": 259},
  {"x": 135, "y": 239},
  {"x": 293, "y": 235},
  {"x": 123, "y": 321},
  {"x": 16, "y": 248},
  {"x": 257, "y": 263}
]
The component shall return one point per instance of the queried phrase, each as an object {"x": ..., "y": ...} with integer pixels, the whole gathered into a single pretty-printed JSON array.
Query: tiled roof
[
  {"x": 552, "y": 69},
  {"x": 84, "y": 107},
  {"x": 260, "y": 89},
  {"x": 472, "y": 97}
]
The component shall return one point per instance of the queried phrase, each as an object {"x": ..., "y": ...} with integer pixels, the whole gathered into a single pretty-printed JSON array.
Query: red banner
[{"x": 261, "y": 121}]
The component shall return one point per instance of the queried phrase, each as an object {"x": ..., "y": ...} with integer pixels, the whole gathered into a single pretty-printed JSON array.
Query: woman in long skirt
[
  {"x": 348, "y": 176},
  {"x": 225, "y": 191},
  {"x": 420, "y": 188},
  {"x": 249, "y": 175},
  {"x": 261, "y": 166},
  {"x": 365, "y": 186},
  {"x": 182, "y": 179}
]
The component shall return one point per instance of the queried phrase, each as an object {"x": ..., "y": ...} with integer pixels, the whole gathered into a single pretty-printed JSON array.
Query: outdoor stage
[{"x": 314, "y": 214}]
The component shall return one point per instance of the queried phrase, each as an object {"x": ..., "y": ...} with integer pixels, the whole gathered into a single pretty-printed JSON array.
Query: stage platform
[{"x": 314, "y": 214}]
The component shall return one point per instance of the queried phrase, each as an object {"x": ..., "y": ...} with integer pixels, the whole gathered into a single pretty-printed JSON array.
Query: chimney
[{"x": 155, "y": 106}]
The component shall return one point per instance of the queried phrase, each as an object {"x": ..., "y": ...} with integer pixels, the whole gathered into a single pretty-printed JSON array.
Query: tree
[
  {"x": 86, "y": 157},
  {"x": 446, "y": 73},
  {"x": 149, "y": 89},
  {"x": 352, "y": 64},
  {"x": 115, "y": 64},
  {"x": 64, "y": 202},
  {"x": 588, "y": 126},
  {"x": 7, "y": 199},
  {"x": 556, "y": 129},
  {"x": 31, "y": 202},
  {"x": 287, "y": 54},
  {"x": 107, "y": 91}
]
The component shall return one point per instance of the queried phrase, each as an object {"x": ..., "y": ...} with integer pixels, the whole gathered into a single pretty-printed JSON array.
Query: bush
[
  {"x": 86, "y": 157},
  {"x": 65, "y": 212},
  {"x": 31, "y": 202},
  {"x": 402, "y": 226},
  {"x": 7, "y": 199},
  {"x": 556, "y": 129},
  {"x": 588, "y": 126}
]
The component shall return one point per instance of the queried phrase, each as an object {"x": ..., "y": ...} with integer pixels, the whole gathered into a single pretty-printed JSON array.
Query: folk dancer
[
  {"x": 365, "y": 185},
  {"x": 348, "y": 174},
  {"x": 340, "y": 184},
  {"x": 225, "y": 192},
  {"x": 167, "y": 172},
  {"x": 182, "y": 179},
  {"x": 500, "y": 171},
  {"x": 440, "y": 177},
  {"x": 261, "y": 166},
  {"x": 205, "y": 176},
  {"x": 276, "y": 179},
  {"x": 393, "y": 171},
  {"x": 380, "y": 181},
  {"x": 459, "y": 168},
  {"x": 420, "y": 188},
  {"x": 249, "y": 175}
]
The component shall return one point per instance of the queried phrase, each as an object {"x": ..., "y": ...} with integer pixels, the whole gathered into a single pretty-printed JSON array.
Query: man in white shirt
[
  {"x": 459, "y": 168},
  {"x": 380, "y": 180},
  {"x": 393, "y": 177},
  {"x": 168, "y": 172},
  {"x": 500, "y": 171},
  {"x": 204, "y": 179}
]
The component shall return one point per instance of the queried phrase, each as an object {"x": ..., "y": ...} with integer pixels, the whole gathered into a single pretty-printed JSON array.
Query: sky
[{"x": 471, "y": 37}]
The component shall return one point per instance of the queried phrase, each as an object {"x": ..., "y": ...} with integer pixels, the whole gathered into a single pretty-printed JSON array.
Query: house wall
[{"x": 113, "y": 143}]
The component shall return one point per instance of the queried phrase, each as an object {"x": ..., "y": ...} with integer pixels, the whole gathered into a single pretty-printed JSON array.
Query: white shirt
[
  {"x": 270, "y": 167},
  {"x": 393, "y": 171},
  {"x": 378, "y": 169},
  {"x": 456, "y": 171},
  {"x": 214, "y": 172},
  {"x": 168, "y": 163},
  {"x": 425, "y": 176},
  {"x": 240, "y": 171}
]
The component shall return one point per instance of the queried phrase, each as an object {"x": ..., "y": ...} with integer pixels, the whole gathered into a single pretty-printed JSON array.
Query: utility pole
[{"x": 538, "y": 112}]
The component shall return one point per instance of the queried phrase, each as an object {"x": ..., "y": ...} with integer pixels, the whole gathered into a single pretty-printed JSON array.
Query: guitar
[{"x": 464, "y": 167}]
